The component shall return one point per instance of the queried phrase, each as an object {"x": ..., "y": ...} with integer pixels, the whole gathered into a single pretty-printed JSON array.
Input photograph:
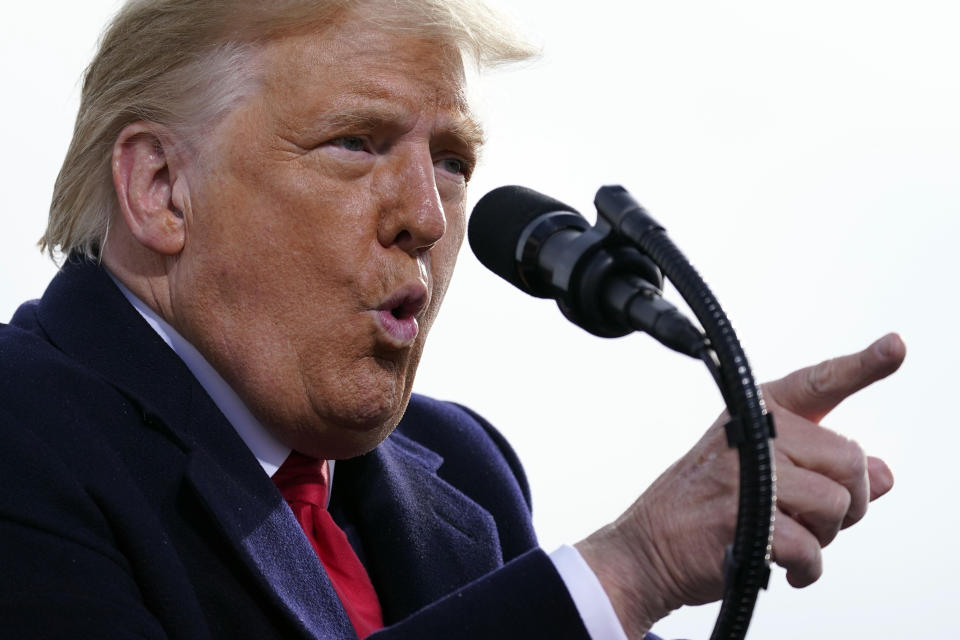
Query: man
[{"x": 262, "y": 207}]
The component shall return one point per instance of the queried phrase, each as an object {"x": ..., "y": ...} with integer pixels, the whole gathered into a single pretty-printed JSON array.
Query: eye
[
  {"x": 453, "y": 165},
  {"x": 456, "y": 166},
  {"x": 350, "y": 143}
]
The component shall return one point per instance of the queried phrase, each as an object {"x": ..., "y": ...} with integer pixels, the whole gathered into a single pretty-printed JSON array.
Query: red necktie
[{"x": 303, "y": 482}]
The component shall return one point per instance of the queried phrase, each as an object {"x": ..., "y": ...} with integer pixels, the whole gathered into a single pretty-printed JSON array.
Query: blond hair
[{"x": 185, "y": 63}]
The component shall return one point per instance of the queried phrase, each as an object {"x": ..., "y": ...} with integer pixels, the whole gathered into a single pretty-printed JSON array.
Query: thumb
[{"x": 814, "y": 391}]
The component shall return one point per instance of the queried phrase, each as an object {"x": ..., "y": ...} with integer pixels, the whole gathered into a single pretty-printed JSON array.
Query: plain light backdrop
[{"x": 805, "y": 156}]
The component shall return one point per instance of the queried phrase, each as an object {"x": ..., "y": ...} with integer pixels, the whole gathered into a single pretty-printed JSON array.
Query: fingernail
[
  {"x": 885, "y": 345},
  {"x": 883, "y": 348}
]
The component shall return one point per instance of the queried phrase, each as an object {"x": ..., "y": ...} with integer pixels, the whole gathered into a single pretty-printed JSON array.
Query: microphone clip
[{"x": 560, "y": 256}]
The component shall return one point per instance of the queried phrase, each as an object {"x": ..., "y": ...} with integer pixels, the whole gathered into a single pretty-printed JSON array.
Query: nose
[{"x": 412, "y": 217}]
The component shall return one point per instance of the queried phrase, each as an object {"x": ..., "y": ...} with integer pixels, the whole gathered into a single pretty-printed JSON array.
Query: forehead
[{"x": 355, "y": 61}]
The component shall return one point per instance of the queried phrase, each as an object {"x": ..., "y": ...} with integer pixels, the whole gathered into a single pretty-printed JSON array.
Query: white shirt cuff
[{"x": 588, "y": 595}]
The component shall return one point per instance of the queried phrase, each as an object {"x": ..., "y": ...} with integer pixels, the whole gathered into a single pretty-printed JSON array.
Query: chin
[
  {"x": 348, "y": 413},
  {"x": 353, "y": 428},
  {"x": 339, "y": 439}
]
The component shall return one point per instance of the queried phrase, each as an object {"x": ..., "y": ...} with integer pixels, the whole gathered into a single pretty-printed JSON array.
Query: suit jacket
[{"x": 131, "y": 508}]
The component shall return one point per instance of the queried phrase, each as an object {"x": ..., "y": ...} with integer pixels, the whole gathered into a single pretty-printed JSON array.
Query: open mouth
[
  {"x": 406, "y": 309},
  {"x": 397, "y": 316}
]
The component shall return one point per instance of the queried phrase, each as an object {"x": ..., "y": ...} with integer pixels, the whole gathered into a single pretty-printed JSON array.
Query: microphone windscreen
[{"x": 497, "y": 223}]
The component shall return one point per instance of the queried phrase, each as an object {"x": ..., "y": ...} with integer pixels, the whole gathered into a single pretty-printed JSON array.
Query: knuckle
[
  {"x": 806, "y": 567},
  {"x": 853, "y": 517},
  {"x": 809, "y": 573},
  {"x": 834, "y": 513},
  {"x": 837, "y": 504},
  {"x": 819, "y": 379},
  {"x": 854, "y": 461},
  {"x": 808, "y": 555},
  {"x": 795, "y": 548}
]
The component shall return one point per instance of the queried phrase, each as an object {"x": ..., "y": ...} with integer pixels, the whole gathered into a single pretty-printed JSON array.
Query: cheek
[
  {"x": 444, "y": 257},
  {"x": 443, "y": 261},
  {"x": 287, "y": 221}
]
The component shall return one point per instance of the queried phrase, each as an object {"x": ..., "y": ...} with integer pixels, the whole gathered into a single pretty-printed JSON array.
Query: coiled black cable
[
  {"x": 747, "y": 563},
  {"x": 604, "y": 280}
]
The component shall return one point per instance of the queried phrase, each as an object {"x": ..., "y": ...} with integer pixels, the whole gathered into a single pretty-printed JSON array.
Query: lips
[{"x": 396, "y": 317}]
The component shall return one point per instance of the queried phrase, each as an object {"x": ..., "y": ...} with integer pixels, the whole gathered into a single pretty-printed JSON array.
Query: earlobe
[{"x": 144, "y": 184}]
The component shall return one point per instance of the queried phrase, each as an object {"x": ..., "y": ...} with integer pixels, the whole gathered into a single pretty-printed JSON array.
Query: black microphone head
[{"x": 498, "y": 222}]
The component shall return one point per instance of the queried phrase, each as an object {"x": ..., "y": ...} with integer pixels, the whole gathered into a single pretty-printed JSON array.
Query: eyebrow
[
  {"x": 465, "y": 130},
  {"x": 469, "y": 132}
]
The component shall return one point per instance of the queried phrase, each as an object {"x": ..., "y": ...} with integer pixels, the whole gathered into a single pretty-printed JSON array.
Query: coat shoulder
[
  {"x": 47, "y": 392},
  {"x": 478, "y": 460},
  {"x": 459, "y": 434}
]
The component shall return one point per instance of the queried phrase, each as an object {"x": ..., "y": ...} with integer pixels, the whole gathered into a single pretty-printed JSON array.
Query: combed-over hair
[{"x": 185, "y": 63}]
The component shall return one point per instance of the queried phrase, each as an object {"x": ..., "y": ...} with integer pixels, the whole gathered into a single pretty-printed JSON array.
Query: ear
[{"x": 148, "y": 191}]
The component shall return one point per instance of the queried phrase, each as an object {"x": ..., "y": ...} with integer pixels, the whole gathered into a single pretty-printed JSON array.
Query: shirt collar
[{"x": 269, "y": 451}]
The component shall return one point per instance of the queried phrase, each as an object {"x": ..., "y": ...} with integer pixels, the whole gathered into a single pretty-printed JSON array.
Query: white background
[{"x": 806, "y": 157}]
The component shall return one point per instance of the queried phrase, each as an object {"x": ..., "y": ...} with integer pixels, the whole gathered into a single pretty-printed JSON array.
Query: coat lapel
[
  {"x": 421, "y": 537},
  {"x": 86, "y": 316},
  {"x": 265, "y": 536}
]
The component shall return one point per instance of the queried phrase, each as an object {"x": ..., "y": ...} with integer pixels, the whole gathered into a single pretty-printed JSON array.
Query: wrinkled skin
[
  {"x": 674, "y": 535},
  {"x": 337, "y": 187}
]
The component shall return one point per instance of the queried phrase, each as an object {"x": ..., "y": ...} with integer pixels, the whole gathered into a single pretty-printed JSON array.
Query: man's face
[{"x": 322, "y": 232}]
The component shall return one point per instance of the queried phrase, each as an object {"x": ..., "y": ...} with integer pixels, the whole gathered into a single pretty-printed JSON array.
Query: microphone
[{"x": 600, "y": 281}]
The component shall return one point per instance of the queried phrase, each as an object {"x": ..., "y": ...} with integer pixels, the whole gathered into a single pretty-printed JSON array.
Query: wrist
[{"x": 628, "y": 574}]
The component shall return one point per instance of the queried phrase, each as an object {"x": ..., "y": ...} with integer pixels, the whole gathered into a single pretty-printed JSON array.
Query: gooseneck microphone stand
[
  {"x": 606, "y": 278},
  {"x": 750, "y": 428}
]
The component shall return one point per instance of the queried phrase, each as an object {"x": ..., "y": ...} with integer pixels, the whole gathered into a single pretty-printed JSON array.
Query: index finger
[{"x": 814, "y": 391}]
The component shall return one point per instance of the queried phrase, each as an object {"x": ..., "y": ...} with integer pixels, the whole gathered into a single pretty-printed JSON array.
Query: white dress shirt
[{"x": 588, "y": 595}]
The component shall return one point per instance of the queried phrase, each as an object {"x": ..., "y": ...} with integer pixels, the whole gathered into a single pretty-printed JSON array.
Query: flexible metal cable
[{"x": 748, "y": 560}]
